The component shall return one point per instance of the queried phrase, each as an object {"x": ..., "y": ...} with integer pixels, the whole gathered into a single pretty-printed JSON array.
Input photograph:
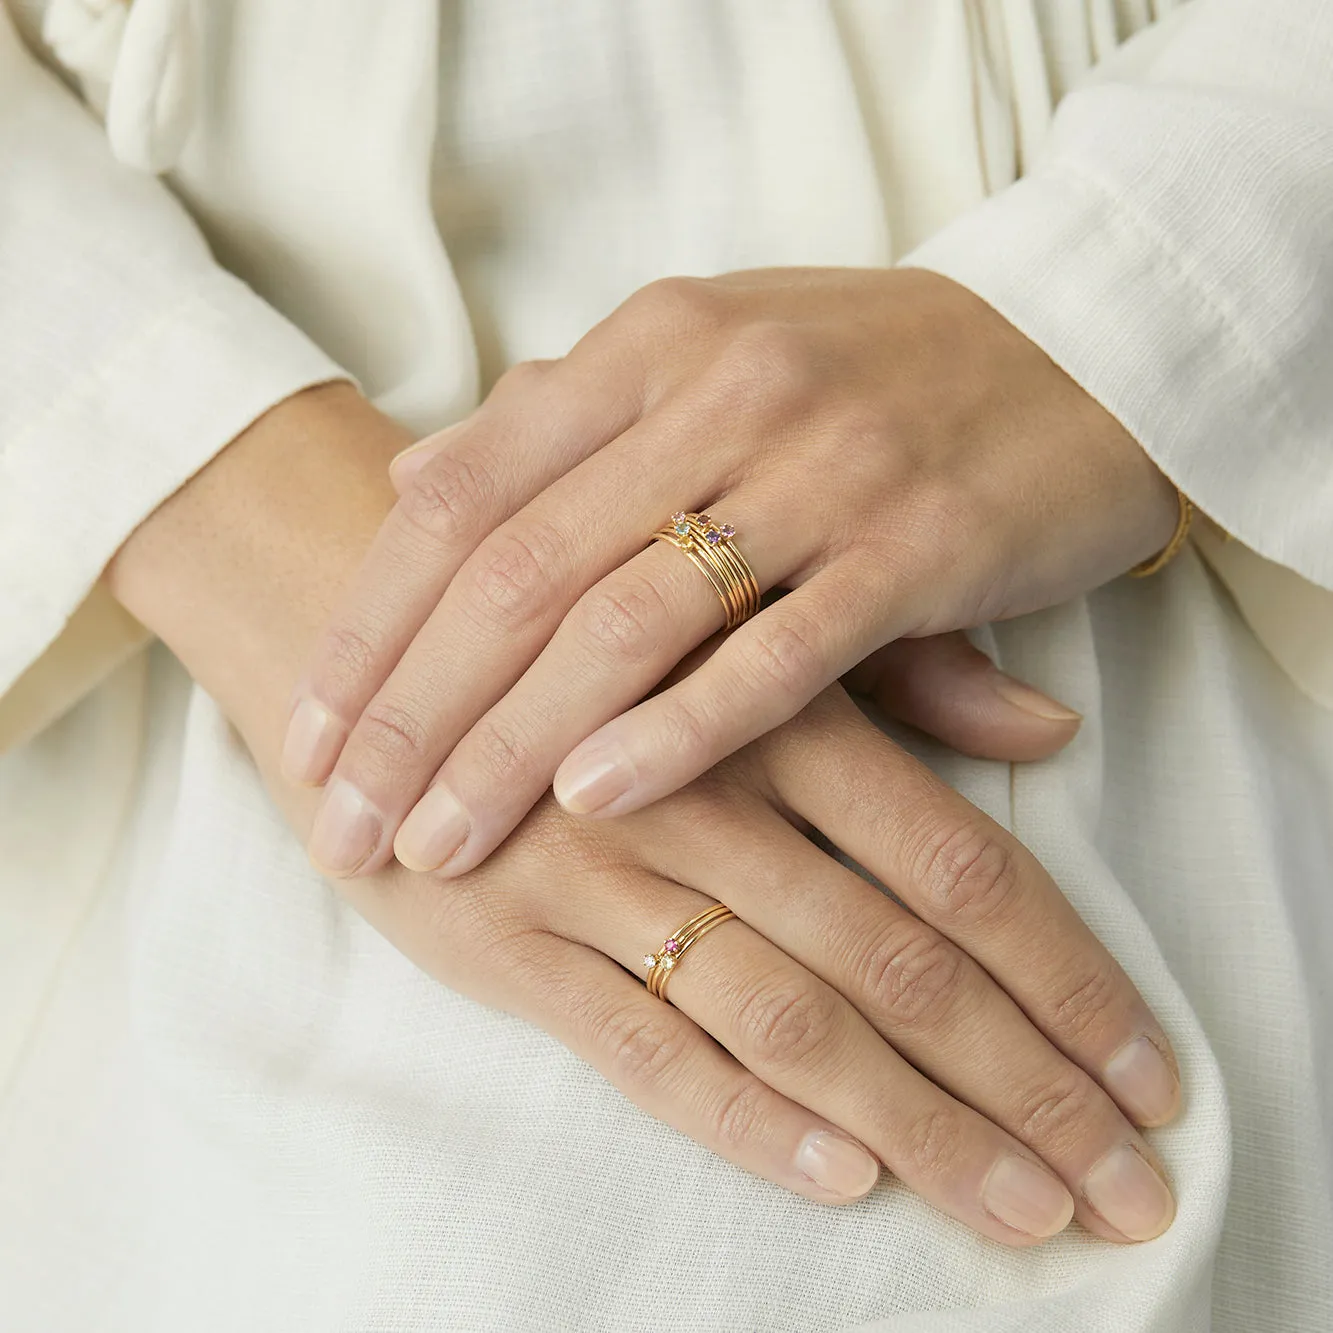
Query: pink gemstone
[
  {"x": 678, "y": 516},
  {"x": 728, "y": 530},
  {"x": 671, "y": 946}
]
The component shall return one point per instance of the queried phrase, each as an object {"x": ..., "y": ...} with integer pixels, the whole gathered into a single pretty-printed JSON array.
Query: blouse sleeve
[
  {"x": 128, "y": 359},
  {"x": 1173, "y": 251}
]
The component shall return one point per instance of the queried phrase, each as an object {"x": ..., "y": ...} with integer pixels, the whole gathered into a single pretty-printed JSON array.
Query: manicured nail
[
  {"x": 433, "y": 831},
  {"x": 346, "y": 832},
  {"x": 1027, "y": 1197},
  {"x": 1030, "y": 700},
  {"x": 588, "y": 784},
  {"x": 310, "y": 748},
  {"x": 1129, "y": 1194},
  {"x": 836, "y": 1164},
  {"x": 1140, "y": 1079}
]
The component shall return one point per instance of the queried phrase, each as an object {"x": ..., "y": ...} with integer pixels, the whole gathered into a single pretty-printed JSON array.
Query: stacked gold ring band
[
  {"x": 713, "y": 551},
  {"x": 661, "y": 964}
]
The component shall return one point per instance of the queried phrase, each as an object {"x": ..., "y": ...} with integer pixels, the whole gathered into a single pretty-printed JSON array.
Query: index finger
[
  {"x": 970, "y": 878},
  {"x": 477, "y": 473}
]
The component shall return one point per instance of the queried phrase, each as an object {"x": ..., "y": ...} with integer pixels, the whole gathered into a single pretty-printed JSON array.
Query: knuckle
[
  {"x": 782, "y": 656},
  {"x": 393, "y": 733},
  {"x": 788, "y": 1026},
  {"x": 523, "y": 377},
  {"x": 739, "y": 1117},
  {"x": 967, "y": 875},
  {"x": 348, "y": 660},
  {"x": 769, "y": 356},
  {"x": 1061, "y": 1111},
  {"x": 509, "y": 575},
  {"x": 915, "y": 980},
  {"x": 624, "y": 619},
  {"x": 1092, "y": 1002},
  {"x": 676, "y": 302},
  {"x": 684, "y": 731},
  {"x": 450, "y": 496},
  {"x": 641, "y": 1048},
  {"x": 499, "y": 751},
  {"x": 934, "y": 1143}
]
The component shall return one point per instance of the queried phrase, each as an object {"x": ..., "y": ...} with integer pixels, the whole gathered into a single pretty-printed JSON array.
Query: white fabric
[{"x": 226, "y": 1103}]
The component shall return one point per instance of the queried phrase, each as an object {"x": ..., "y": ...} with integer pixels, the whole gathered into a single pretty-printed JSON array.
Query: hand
[
  {"x": 889, "y": 448},
  {"x": 832, "y": 997},
  {"x": 958, "y": 1045}
]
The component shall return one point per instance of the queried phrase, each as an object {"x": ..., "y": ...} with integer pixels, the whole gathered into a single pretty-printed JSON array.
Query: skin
[
  {"x": 824, "y": 1032},
  {"x": 892, "y": 452}
]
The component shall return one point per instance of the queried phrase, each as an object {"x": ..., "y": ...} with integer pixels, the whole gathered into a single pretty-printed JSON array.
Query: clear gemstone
[{"x": 649, "y": 960}]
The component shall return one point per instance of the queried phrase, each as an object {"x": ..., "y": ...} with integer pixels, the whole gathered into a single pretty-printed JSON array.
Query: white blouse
[{"x": 219, "y": 1088}]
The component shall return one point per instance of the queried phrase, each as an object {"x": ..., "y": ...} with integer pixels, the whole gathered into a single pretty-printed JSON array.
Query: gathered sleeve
[
  {"x": 1172, "y": 250},
  {"x": 128, "y": 359}
]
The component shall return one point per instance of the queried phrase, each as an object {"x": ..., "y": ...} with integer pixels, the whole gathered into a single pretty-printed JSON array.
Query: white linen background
[{"x": 230, "y": 1104}]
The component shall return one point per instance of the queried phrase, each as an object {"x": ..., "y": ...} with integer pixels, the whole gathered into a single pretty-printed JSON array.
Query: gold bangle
[
  {"x": 661, "y": 964},
  {"x": 1172, "y": 548}
]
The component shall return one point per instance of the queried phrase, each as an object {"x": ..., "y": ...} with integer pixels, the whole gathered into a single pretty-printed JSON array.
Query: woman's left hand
[{"x": 886, "y": 446}]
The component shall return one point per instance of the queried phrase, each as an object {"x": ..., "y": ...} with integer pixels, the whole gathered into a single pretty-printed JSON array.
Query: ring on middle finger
[{"x": 712, "y": 550}]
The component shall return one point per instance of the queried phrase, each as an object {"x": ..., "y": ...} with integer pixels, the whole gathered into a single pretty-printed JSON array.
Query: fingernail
[
  {"x": 837, "y": 1164},
  {"x": 433, "y": 831},
  {"x": 1027, "y": 1197},
  {"x": 310, "y": 748},
  {"x": 346, "y": 832},
  {"x": 590, "y": 784},
  {"x": 1030, "y": 700},
  {"x": 1129, "y": 1194},
  {"x": 1140, "y": 1079}
]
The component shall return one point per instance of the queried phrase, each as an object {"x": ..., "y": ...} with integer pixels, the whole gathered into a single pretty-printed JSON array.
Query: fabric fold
[{"x": 132, "y": 360}]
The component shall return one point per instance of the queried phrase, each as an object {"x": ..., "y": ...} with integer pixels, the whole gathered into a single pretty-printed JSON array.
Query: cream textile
[{"x": 227, "y": 1103}]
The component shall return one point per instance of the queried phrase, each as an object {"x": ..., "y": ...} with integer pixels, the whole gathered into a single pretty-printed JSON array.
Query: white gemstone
[{"x": 649, "y": 960}]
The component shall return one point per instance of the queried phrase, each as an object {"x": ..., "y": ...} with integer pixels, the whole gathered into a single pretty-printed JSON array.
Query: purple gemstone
[
  {"x": 728, "y": 530},
  {"x": 671, "y": 946},
  {"x": 712, "y": 536}
]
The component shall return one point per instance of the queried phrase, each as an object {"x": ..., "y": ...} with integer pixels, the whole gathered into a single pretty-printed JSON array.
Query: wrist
[{"x": 237, "y": 570}]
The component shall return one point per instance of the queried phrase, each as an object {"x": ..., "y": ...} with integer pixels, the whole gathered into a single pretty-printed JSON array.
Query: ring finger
[
  {"x": 940, "y": 1009},
  {"x": 527, "y": 584},
  {"x": 805, "y": 1041},
  {"x": 618, "y": 642}
]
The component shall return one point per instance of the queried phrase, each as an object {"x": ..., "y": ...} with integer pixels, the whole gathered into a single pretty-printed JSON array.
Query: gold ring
[
  {"x": 711, "y": 548},
  {"x": 1184, "y": 518},
  {"x": 661, "y": 964}
]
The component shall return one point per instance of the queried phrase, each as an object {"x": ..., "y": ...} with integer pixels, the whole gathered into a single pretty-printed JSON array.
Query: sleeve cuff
[
  {"x": 1117, "y": 306},
  {"x": 128, "y": 432}
]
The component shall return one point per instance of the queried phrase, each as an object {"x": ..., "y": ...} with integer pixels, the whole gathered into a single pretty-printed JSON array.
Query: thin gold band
[
  {"x": 661, "y": 964},
  {"x": 712, "y": 551},
  {"x": 1172, "y": 548}
]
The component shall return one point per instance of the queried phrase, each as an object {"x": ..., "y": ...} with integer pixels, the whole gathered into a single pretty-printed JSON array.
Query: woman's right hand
[{"x": 976, "y": 1045}]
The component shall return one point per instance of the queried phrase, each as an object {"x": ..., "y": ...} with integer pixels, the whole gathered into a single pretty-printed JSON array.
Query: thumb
[{"x": 947, "y": 688}]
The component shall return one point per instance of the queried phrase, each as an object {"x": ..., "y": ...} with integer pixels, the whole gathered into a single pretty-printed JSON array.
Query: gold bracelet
[{"x": 1172, "y": 548}]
